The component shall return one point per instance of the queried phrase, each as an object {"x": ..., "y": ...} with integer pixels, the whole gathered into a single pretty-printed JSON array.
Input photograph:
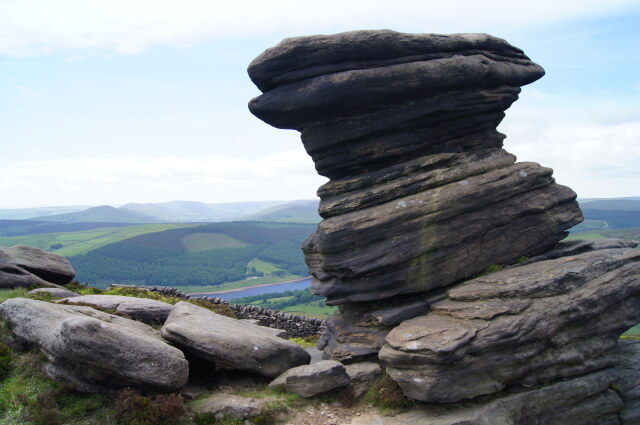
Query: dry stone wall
[{"x": 295, "y": 325}]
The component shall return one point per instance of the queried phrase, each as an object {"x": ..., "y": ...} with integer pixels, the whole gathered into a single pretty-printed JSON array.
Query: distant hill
[
  {"x": 104, "y": 213},
  {"x": 30, "y": 227},
  {"x": 620, "y": 204},
  {"x": 602, "y": 214},
  {"x": 294, "y": 212},
  {"x": 28, "y": 213},
  {"x": 177, "y": 211},
  {"x": 303, "y": 211}
]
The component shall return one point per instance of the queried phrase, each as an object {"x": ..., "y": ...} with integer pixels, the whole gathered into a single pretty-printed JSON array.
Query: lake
[{"x": 259, "y": 290}]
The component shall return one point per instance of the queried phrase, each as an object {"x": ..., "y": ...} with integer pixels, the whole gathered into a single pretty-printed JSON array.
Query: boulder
[
  {"x": 24, "y": 260},
  {"x": 317, "y": 378},
  {"x": 231, "y": 343},
  {"x": 221, "y": 405},
  {"x": 361, "y": 376},
  {"x": 55, "y": 292},
  {"x": 142, "y": 309},
  {"x": 628, "y": 385},
  {"x": 518, "y": 327},
  {"x": 94, "y": 351}
]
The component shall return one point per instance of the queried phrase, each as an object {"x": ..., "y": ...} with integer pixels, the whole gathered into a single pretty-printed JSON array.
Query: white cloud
[
  {"x": 283, "y": 175},
  {"x": 24, "y": 89},
  {"x": 130, "y": 26},
  {"x": 593, "y": 147}
]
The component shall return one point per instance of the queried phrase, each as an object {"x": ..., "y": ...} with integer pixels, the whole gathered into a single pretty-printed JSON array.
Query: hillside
[
  {"x": 294, "y": 212},
  {"x": 75, "y": 243},
  {"x": 104, "y": 213},
  {"x": 209, "y": 254},
  {"x": 601, "y": 214},
  {"x": 28, "y": 213},
  {"x": 199, "y": 211},
  {"x": 29, "y": 227}
]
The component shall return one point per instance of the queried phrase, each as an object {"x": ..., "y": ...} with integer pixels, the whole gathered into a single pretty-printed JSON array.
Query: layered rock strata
[
  {"x": 421, "y": 194},
  {"x": 519, "y": 327},
  {"x": 422, "y": 200}
]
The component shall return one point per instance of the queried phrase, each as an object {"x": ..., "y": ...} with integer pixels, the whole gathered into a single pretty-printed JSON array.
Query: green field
[
  {"x": 74, "y": 243},
  {"x": 635, "y": 331},
  {"x": 238, "y": 284},
  {"x": 311, "y": 309},
  {"x": 194, "y": 242},
  {"x": 628, "y": 234},
  {"x": 261, "y": 266}
]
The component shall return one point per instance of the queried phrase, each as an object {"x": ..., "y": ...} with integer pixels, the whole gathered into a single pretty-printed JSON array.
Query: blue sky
[{"x": 109, "y": 102}]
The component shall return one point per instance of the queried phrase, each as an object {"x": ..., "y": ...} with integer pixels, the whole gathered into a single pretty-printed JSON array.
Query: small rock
[
  {"x": 142, "y": 309},
  {"x": 239, "y": 407},
  {"x": 317, "y": 378},
  {"x": 55, "y": 292}
]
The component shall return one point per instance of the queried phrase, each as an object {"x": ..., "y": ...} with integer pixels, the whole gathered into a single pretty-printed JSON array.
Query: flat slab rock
[
  {"x": 231, "y": 343},
  {"x": 47, "y": 266},
  {"x": 143, "y": 309},
  {"x": 92, "y": 350},
  {"x": 220, "y": 405},
  {"x": 55, "y": 292},
  {"x": 518, "y": 327},
  {"x": 587, "y": 400}
]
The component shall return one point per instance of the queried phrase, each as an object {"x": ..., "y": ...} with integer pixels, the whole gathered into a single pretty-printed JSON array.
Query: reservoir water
[{"x": 259, "y": 290}]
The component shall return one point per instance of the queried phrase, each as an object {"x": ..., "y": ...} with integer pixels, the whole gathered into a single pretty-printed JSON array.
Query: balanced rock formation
[
  {"x": 421, "y": 194},
  {"x": 422, "y": 200},
  {"x": 24, "y": 266},
  {"x": 92, "y": 350}
]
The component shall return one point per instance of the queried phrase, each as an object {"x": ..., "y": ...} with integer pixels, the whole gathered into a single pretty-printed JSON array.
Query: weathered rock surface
[
  {"x": 23, "y": 265},
  {"x": 518, "y": 327},
  {"x": 220, "y": 405},
  {"x": 421, "y": 194},
  {"x": 92, "y": 350},
  {"x": 421, "y": 199},
  {"x": 361, "y": 376},
  {"x": 628, "y": 384},
  {"x": 357, "y": 330},
  {"x": 407, "y": 134},
  {"x": 587, "y": 400},
  {"x": 317, "y": 378},
  {"x": 55, "y": 292},
  {"x": 143, "y": 309},
  {"x": 231, "y": 343}
]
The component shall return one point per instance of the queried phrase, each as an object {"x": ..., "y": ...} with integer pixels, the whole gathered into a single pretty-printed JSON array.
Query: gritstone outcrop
[{"x": 422, "y": 199}]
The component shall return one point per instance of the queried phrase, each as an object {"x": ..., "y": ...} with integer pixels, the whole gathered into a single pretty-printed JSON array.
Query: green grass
[
  {"x": 632, "y": 233},
  {"x": 262, "y": 266},
  {"x": 5, "y": 294},
  {"x": 634, "y": 332},
  {"x": 585, "y": 235},
  {"x": 195, "y": 242},
  {"x": 239, "y": 284},
  {"x": 74, "y": 243},
  {"x": 311, "y": 309}
]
